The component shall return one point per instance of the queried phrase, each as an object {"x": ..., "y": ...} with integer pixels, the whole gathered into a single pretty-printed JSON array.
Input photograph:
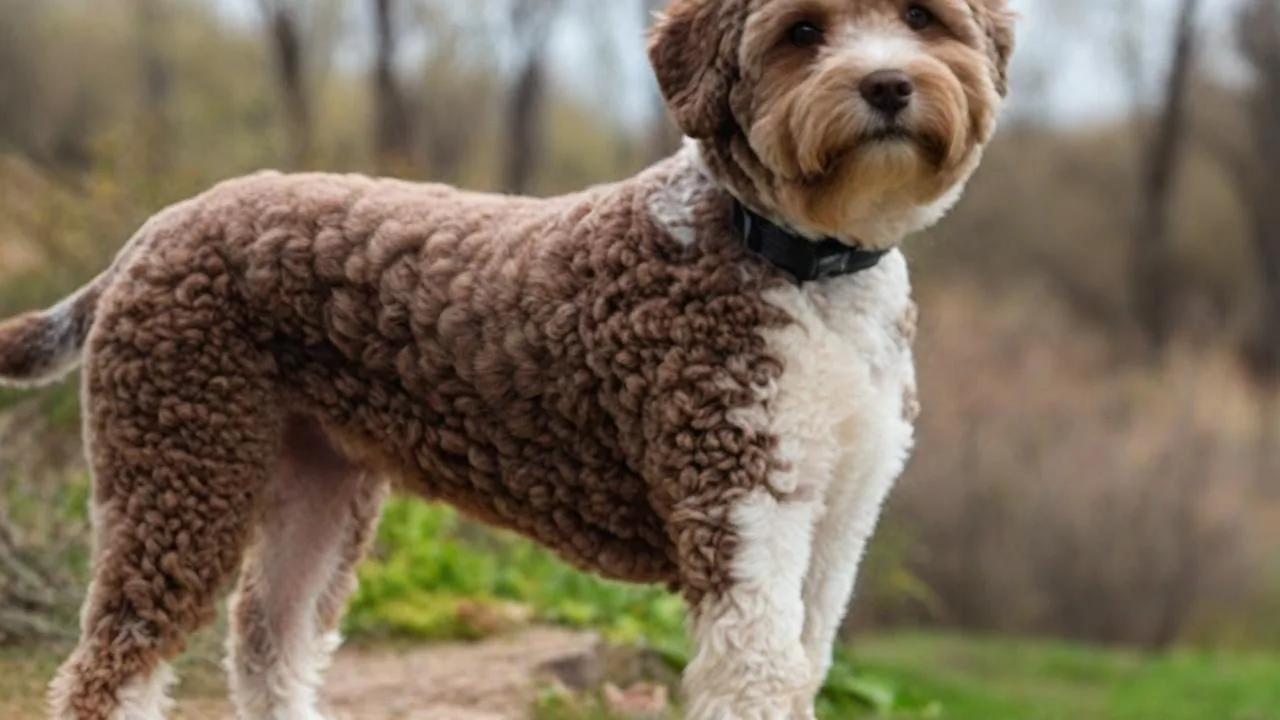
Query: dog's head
[{"x": 856, "y": 119}]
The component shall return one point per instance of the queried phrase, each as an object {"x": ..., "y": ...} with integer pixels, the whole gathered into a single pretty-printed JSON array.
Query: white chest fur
[{"x": 844, "y": 405}]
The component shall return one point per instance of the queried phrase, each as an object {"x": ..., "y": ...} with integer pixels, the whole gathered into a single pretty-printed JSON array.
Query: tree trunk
[
  {"x": 286, "y": 44},
  {"x": 1259, "y": 40},
  {"x": 1266, "y": 344},
  {"x": 157, "y": 81},
  {"x": 394, "y": 140},
  {"x": 524, "y": 123},
  {"x": 1149, "y": 261},
  {"x": 531, "y": 22}
]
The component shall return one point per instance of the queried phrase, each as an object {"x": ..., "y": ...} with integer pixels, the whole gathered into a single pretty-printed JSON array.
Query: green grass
[
  {"x": 428, "y": 562},
  {"x": 941, "y": 677},
  {"x": 968, "y": 678}
]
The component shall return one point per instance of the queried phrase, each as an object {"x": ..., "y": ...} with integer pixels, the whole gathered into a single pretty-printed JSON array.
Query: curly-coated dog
[{"x": 700, "y": 376}]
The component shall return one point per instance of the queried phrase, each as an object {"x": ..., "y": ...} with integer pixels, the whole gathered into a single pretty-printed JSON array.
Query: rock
[
  {"x": 577, "y": 671},
  {"x": 642, "y": 701}
]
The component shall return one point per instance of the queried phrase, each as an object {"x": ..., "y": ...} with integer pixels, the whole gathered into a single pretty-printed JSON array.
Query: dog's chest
[{"x": 844, "y": 405}]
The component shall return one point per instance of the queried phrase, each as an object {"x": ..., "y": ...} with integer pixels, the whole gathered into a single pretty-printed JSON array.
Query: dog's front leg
[
  {"x": 749, "y": 662},
  {"x": 852, "y": 508}
]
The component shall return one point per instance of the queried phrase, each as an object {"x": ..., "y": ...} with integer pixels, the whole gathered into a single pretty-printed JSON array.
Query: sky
[
  {"x": 1074, "y": 48},
  {"x": 1067, "y": 69}
]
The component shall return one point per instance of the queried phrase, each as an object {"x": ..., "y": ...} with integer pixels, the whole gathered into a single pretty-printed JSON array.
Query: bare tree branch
[
  {"x": 1149, "y": 262},
  {"x": 531, "y": 21},
  {"x": 1258, "y": 38},
  {"x": 394, "y": 137},
  {"x": 157, "y": 81},
  {"x": 36, "y": 601},
  {"x": 284, "y": 37}
]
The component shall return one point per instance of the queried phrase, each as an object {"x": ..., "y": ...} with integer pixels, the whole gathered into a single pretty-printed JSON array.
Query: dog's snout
[{"x": 888, "y": 91}]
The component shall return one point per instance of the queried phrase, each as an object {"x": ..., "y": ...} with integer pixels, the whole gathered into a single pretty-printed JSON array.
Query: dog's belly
[{"x": 516, "y": 466}]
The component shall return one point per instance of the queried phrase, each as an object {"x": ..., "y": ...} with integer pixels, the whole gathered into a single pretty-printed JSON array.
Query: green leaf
[{"x": 874, "y": 694}]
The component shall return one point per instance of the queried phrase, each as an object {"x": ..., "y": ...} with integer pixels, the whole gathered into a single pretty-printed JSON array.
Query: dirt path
[
  {"x": 494, "y": 680},
  {"x": 491, "y": 680}
]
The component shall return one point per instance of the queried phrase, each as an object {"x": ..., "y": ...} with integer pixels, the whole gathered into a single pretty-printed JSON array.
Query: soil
[{"x": 495, "y": 679}]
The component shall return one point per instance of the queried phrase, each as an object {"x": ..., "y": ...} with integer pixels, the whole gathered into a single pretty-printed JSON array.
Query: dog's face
[{"x": 857, "y": 119}]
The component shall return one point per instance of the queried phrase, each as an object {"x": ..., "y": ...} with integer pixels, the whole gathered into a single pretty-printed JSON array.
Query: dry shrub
[
  {"x": 1058, "y": 491},
  {"x": 1056, "y": 206}
]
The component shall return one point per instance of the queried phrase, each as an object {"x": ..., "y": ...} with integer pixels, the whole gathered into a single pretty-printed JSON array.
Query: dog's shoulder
[{"x": 679, "y": 189}]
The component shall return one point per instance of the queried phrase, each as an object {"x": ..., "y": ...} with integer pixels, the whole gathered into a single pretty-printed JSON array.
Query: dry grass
[{"x": 1059, "y": 490}]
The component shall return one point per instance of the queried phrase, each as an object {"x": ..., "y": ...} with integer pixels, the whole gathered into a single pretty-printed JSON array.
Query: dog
[{"x": 700, "y": 376}]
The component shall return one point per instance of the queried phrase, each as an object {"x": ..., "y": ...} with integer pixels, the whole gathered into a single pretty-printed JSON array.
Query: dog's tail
[{"x": 42, "y": 347}]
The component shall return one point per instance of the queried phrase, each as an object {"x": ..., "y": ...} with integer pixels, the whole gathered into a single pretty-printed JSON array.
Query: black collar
[{"x": 804, "y": 259}]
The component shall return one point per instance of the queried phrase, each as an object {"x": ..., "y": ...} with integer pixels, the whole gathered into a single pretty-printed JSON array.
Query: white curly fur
[{"x": 146, "y": 698}]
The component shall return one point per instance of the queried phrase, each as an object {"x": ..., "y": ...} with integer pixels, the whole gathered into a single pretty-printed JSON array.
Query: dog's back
[{"x": 505, "y": 354}]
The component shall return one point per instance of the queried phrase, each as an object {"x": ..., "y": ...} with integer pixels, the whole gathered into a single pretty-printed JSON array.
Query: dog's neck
[{"x": 804, "y": 256}]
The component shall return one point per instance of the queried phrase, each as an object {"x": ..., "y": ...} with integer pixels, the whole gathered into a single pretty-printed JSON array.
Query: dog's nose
[{"x": 888, "y": 91}]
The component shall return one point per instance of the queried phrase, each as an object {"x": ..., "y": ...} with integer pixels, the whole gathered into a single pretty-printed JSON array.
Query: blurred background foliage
[{"x": 1099, "y": 453}]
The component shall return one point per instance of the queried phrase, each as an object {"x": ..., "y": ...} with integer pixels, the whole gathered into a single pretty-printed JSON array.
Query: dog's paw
[{"x": 792, "y": 707}]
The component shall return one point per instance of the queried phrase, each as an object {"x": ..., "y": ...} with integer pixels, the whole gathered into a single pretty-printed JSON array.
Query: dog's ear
[
  {"x": 693, "y": 48},
  {"x": 997, "y": 21}
]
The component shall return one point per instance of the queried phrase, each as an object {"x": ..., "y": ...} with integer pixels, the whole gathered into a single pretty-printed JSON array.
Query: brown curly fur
[
  {"x": 558, "y": 367},
  {"x": 260, "y": 357}
]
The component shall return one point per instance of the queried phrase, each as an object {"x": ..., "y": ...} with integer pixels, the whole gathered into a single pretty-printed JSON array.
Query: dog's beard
[
  {"x": 824, "y": 134},
  {"x": 887, "y": 143},
  {"x": 857, "y": 152}
]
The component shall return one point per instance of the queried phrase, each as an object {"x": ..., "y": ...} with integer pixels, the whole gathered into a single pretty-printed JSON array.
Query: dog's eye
[
  {"x": 919, "y": 17},
  {"x": 805, "y": 34}
]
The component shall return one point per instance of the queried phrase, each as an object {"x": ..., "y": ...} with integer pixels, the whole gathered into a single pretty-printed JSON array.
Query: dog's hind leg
[
  {"x": 319, "y": 515},
  {"x": 360, "y": 528},
  {"x": 750, "y": 663},
  {"x": 181, "y": 434}
]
